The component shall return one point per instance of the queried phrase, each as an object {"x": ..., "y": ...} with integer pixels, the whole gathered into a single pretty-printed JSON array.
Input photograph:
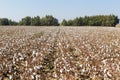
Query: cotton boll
[
  {"x": 10, "y": 77},
  {"x": 34, "y": 59},
  {"x": 104, "y": 61},
  {"x": 30, "y": 70},
  {"x": 33, "y": 53},
  {"x": 26, "y": 63},
  {"x": 109, "y": 75},
  {"x": 61, "y": 70}
]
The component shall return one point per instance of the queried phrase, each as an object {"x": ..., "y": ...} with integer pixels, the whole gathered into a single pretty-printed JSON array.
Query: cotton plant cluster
[
  {"x": 23, "y": 52},
  {"x": 59, "y": 53},
  {"x": 96, "y": 52}
]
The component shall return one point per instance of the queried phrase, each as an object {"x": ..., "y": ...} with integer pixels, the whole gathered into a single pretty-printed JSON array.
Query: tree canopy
[
  {"x": 25, "y": 21},
  {"x": 35, "y": 21},
  {"x": 100, "y": 20},
  {"x": 5, "y": 21},
  {"x": 49, "y": 20}
]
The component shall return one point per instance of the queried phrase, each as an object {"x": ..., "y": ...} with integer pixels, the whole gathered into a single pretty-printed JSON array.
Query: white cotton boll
[
  {"x": 109, "y": 75},
  {"x": 83, "y": 70},
  {"x": 30, "y": 69},
  {"x": 88, "y": 65},
  {"x": 76, "y": 74},
  {"x": 44, "y": 49},
  {"x": 32, "y": 76},
  {"x": 87, "y": 59},
  {"x": 68, "y": 70},
  {"x": 95, "y": 68},
  {"x": 33, "y": 53},
  {"x": 26, "y": 63},
  {"x": 61, "y": 70},
  {"x": 60, "y": 79},
  {"x": 19, "y": 54},
  {"x": 81, "y": 65},
  {"x": 68, "y": 45},
  {"x": 63, "y": 60},
  {"x": 118, "y": 68},
  {"x": 37, "y": 77},
  {"x": 13, "y": 60},
  {"x": 21, "y": 58},
  {"x": 15, "y": 55},
  {"x": 105, "y": 71},
  {"x": 104, "y": 61},
  {"x": 34, "y": 59},
  {"x": 36, "y": 53},
  {"x": 17, "y": 59},
  {"x": 55, "y": 75},
  {"x": 55, "y": 62},
  {"x": 36, "y": 67},
  {"x": 71, "y": 57},
  {"x": 112, "y": 59},
  {"x": 59, "y": 44},
  {"x": 10, "y": 77},
  {"x": 34, "y": 73},
  {"x": 118, "y": 55},
  {"x": 41, "y": 54}
]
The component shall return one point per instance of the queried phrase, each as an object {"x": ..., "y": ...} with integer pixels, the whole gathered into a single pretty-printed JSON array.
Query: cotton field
[{"x": 59, "y": 53}]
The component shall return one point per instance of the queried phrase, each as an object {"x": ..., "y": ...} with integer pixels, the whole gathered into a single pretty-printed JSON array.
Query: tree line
[
  {"x": 5, "y": 21},
  {"x": 49, "y": 20},
  {"x": 100, "y": 20}
]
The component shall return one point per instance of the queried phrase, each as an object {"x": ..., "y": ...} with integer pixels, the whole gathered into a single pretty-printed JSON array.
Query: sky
[{"x": 61, "y": 9}]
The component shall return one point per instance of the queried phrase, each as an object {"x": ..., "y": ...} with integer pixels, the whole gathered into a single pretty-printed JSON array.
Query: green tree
[
  {"x": 86, "y": 21},
  {"x": 49, "y": 20},
  {"x": 4, "y": 21},
  {"x": 25, "y": 21},
  {"x": 78, "y": 22},
  {"x": 35, "y": 21},
  {"x": 13, "y": 23},
  {"x": 70, "y": 22},
  {"x": 64, "y": 23}
]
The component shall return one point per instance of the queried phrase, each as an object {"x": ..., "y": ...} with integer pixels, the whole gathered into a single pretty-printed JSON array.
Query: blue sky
[{"x": 68, "y": 9}]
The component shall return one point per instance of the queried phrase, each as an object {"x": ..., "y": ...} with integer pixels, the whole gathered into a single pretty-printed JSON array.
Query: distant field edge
[{"x": 63, "y": 26}]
